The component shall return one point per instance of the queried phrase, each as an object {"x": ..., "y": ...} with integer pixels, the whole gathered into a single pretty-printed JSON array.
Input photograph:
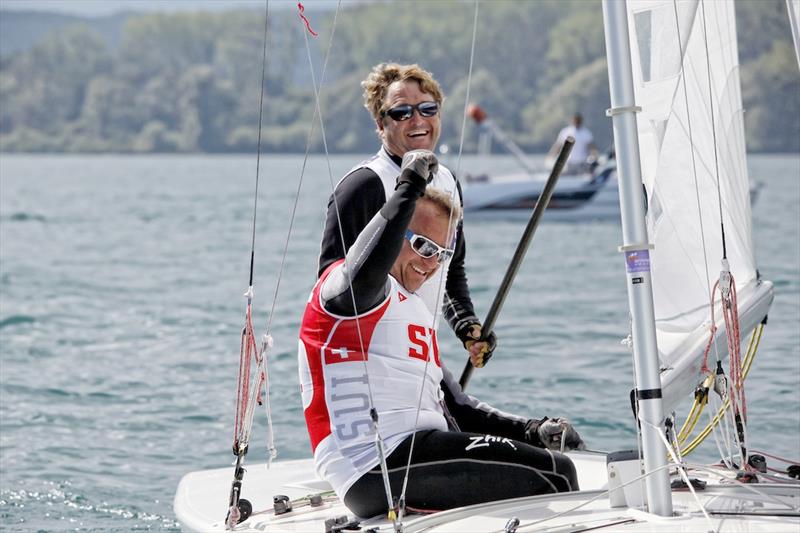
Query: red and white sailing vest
[{"x": 338, "y": 377}]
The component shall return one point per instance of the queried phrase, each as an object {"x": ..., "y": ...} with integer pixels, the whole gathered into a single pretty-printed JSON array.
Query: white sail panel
[
  {"x": 793, "y": 7},
  {"x": 692, "y": 147}
]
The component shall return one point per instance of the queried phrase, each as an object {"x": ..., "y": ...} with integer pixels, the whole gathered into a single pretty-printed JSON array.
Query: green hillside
[{"x": 190, "y": 82}]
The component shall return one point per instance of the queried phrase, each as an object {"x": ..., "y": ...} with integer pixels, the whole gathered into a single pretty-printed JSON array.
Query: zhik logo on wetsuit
[{"x": 486, "y": 440}]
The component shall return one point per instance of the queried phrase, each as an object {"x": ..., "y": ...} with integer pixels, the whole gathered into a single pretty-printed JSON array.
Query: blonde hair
[
  {"x": 444, "y": 203},
  {"x": 384, "y": 74}
]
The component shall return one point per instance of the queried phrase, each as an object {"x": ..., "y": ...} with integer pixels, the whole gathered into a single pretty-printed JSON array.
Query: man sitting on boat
[
  {"x": 405, "y": 103},
  {"x": 584, "y": 153},
  {"x": 368, "y": 353}
]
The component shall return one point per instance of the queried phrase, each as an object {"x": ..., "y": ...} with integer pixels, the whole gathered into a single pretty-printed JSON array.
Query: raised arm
[
  {"x": 356, "y": 199},
  {"x": 373, "y": 253}
]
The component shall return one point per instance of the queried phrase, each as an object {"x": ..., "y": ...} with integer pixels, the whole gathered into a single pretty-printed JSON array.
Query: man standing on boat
[
  {"x": 584, "y": 148},
  {"x": 368, "y": 354},
  {"x": 405, "y": 103}
]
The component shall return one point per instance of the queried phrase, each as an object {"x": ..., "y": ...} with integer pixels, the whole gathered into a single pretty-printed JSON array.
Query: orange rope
[{"x": 247, "y": 353}]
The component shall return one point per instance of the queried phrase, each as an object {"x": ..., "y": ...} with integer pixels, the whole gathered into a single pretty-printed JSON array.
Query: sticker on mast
[{"x": 637, "y": 261}]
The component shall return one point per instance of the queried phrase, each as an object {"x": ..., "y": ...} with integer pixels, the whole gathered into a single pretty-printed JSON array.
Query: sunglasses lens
[
  {"x": 404, "y": 111},
  {"x": 401, "y": 112},
  {"x": 428, "y": 109},
  {"x": 445, "y": 255},
  {"x": 424, "y": 247},
  {"x": 427, "y": 249}
]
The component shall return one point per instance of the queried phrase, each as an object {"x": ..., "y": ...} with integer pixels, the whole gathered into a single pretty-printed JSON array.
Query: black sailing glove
[
  {"x": 549, "y": 433},
  {"x": 418, "y": 168},
  {"x": 468, "y": 330}
]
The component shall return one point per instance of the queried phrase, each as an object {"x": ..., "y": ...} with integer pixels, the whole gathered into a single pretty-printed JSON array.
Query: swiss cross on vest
[
  {"x": 350, "y": 339},
  {"x": 422, "y": 342},
  {"x": 345, "y": 344}
]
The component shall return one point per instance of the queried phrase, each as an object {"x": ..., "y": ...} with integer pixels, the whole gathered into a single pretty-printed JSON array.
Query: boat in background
[
  {"x": 589, "y": 192},
  {"x": 579, "y": 197}
]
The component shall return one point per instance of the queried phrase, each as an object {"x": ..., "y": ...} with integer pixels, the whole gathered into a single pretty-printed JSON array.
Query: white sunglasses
[{"x": 427, "y": 248}]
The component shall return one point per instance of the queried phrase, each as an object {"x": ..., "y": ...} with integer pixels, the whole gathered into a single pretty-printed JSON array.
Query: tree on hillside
[
  {"x": 771, "y": 98},
  {"x": 48, "y": 83}
]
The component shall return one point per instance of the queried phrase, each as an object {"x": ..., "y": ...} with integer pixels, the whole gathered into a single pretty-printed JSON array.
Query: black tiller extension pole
[{"x": 519, "y": 253}]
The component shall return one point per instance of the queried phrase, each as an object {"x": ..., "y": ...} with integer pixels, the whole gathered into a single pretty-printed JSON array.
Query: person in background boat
[
  {"x": 583, "y": 157},
  {"x": 367, "y": 345},
  {"x": 405, "y": 103}
]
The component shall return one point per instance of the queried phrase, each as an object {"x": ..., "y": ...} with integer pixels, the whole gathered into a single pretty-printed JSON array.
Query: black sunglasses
[{"x": 404, "y": 111}]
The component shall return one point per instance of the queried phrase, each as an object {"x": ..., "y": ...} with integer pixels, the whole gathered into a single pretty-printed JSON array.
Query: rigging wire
[
  {"x": 713, "y": 131},
  {"x": 691, "y": 149},
  {"x": 682, "y": 472},
  {"x": 763, "y": 495},
  {"x": 748, "y": 362},
  {"x": 728, "y": 289},
  {"x": 248, "y": 350},
  {"x": 248, "y": 341},
  {"x": 440, "y": 290},
  {"x": 725, "y": 277},
  {"x": 601, "y": 494},
  {"x": 318, "y": 113}
]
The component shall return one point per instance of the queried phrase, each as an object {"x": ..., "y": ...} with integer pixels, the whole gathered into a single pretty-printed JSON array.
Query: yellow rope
[
  {"x": 697, "y": 409},
  {"x": 699, "y": 403}
]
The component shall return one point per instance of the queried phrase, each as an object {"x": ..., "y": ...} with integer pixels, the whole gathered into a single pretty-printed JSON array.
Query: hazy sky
[{"x": 98, "y": 8}]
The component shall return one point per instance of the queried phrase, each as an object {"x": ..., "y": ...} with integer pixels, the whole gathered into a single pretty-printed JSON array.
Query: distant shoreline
[{"x": 272, "y": 154}]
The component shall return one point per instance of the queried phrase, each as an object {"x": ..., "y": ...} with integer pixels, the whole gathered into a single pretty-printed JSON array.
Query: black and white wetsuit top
[{"x": 359, "y": 195}]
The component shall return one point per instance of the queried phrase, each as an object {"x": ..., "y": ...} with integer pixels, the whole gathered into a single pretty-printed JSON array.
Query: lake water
[{"x": 121, "y": 303}]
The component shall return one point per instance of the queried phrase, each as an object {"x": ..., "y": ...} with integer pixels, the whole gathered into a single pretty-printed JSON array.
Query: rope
[
  {"x": 787, "y": 461},
  {"x": 243, "y": 418},
  {"x": 247, "y": 349},
  {"x": 681, "y": 471},
  {"x": 733, "y": 393},
  {"x": 749, "y": 357},
  {"x": 302, "y": 16}
]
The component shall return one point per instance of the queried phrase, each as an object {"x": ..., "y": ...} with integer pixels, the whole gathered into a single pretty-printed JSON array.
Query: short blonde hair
[
  {"x": 384, "y": 74},
  {"x": 443, "y": 201}
]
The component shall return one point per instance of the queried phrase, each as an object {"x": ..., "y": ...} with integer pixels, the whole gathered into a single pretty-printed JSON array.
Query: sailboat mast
[{"x": 637, "y": 258}]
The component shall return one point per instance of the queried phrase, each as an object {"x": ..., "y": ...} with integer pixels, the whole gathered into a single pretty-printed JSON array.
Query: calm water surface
[{"x": 121, "y": 282}]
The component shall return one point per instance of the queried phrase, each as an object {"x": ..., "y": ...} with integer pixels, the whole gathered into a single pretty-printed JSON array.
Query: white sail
[
  {"x": 793, "y": 7},
  {"x": 691, "y": 136}
]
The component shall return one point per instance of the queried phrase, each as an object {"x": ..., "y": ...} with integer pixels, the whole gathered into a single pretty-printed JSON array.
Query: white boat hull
[
  {"x": 575, "y": 198},
  {"x": 201, "y": 505}
]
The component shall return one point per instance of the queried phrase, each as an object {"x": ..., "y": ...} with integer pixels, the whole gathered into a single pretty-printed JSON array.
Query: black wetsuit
[{"x": 487, "y": 454}]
